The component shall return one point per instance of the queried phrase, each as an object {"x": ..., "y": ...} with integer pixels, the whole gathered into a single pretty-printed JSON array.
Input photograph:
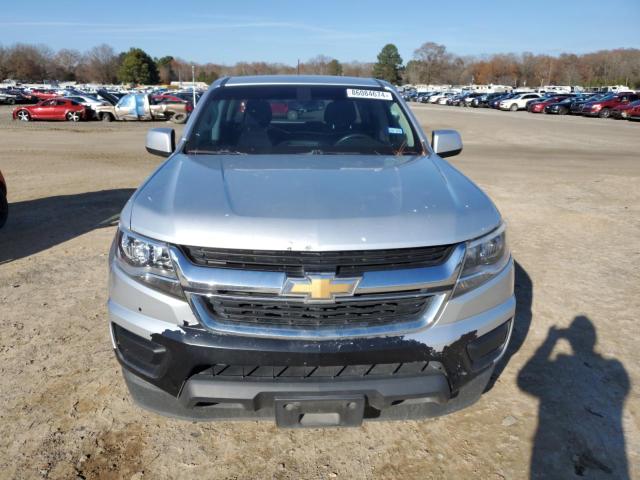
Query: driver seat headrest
[
  {"x": 340, "y": 114},
  {"x": 258, "y": 111}
]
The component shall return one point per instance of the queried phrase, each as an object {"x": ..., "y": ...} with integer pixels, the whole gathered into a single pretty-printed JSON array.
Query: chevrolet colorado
[{"x": 319, "y": 269}]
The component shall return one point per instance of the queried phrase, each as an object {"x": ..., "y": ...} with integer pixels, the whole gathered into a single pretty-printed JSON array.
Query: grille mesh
[
  {"x": 363, "y": 311},
  {"x": 257, "y": 372},
  {"x": 298, "y": 263}
]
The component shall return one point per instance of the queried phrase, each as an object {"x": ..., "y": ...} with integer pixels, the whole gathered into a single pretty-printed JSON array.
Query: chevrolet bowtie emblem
[{"x": 320, "y": 287}]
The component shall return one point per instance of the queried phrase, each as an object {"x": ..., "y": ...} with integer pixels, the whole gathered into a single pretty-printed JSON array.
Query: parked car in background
[
  {"x": 110, "y": 97},
  {"x": 632, "y": 113},
  {"x": 456, "y": 99},
  {"x": 424, "y": 98},
  {"x": 42, "y": 94},
  {"x": 435, "y": 98},
  {"x": 518, "y": 101},
  {"x": 538, "y": 106},
  {"x": 141, "y": 106},
  {"x": 624, "y": 110},
  {"x": 172, "y": 97},
  {"x": 469, "y": 98},
  {"x": 602, "y": 107},
  {"x": 576, "y": 106},
  {"x": 54, "y": 109},
  {"x": 279, "y": 109},
  {"x": 409, "y": 95},
  {"x": 421, "y": 95},
  {"x": 11, "y": 97},
  {"x": 89, "y": 102},
  {"x": 4, "y": 204},
  {"x": 495, "y": 103},
  {"x": 483, "y": 100},
  {"x": 298, "y": 108},
  {"x": 561, "y": 107}
]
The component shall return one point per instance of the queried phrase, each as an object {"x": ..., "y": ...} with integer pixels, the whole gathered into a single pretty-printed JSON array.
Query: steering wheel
[{"x": 353, "y": 136}]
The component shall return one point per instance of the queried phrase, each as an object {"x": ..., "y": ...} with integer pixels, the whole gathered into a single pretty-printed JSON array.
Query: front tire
[
  {"x": 73, "y": 117},
  {"x": 513, "y": 107},
  {"x": 23, "y": 116},
  {"x": 605, "y": 113},
  {"x": 106, "y": 117},
  {"x": 179, "y": 118}
]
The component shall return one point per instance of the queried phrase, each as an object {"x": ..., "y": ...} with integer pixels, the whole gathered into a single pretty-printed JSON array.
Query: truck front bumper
[{"x": 175, "y": 367}]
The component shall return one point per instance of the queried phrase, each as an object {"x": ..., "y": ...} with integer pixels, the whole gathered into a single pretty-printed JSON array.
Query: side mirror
[
  {"x": 161, "y": 141},
  {"x": 446, "y": 143}
]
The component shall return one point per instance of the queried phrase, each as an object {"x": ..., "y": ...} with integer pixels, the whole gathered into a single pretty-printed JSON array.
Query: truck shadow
[
  {"x": 37, "y": 225},
  {"x": 521, "y": 323},
  {"x": 581, "y": 400}
]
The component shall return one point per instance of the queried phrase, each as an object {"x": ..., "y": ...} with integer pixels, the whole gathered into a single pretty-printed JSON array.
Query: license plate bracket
[{"x": 319, "y": 411}]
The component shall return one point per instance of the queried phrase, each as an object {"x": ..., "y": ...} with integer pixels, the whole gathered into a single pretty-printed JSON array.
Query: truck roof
[{"x": 304, "y": 80}]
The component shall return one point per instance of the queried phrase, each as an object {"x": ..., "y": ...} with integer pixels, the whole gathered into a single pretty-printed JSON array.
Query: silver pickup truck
[{"x": 305, "y": 254}]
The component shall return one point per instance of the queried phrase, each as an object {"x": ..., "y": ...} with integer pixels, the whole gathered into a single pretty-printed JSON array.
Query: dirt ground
[{"x": 565, "y": 402}]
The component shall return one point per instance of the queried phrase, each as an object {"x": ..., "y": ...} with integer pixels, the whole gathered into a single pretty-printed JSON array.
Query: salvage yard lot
[{"x": 569, "y": 189}]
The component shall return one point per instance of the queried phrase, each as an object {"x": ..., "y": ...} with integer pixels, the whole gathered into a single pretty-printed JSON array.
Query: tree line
[
  {"x": 102, "y": 64},
  {"x": 431, "y": 63}
]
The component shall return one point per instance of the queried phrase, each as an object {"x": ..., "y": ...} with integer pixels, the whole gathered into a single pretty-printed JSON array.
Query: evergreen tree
[
  {"x": 138, "y": 67},
  {"x": 334, "y": 67},
  {"x": 389, "y": 64}
]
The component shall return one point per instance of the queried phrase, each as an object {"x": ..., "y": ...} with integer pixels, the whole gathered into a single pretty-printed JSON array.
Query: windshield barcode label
[{"x": 372, "y": 94}]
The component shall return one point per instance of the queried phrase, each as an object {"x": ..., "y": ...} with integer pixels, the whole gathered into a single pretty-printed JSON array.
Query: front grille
[
  {"x": 351, "y": 262},
  {"x": 300, "y": 372},
  {"x": 358, "y": 311}
]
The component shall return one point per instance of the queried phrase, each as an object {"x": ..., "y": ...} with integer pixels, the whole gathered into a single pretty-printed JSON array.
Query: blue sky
[{"x": 285, "y": 30}]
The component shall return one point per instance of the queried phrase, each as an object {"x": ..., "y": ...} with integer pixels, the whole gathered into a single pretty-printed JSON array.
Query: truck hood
[
  {"x": 309, "y": 202},
  {"x": 112, "y": 99}
]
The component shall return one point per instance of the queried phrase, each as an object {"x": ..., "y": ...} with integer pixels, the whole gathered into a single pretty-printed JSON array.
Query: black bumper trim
[
  {"x": 256, "y": 395},
  {"x": 189, "y": 352},
  {"x": 153, "y": 399}
]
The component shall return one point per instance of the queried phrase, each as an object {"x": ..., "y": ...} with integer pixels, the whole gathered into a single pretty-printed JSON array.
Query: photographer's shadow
[{"x": 581, "y": 403}]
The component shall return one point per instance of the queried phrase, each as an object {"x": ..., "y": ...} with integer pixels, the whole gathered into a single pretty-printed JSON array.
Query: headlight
[
  {"x": 147, "y": 261},
  {"x": 485, "y": 258}
]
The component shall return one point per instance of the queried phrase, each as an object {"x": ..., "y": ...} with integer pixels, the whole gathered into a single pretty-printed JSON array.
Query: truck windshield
[{"x": 290, "y": 119}]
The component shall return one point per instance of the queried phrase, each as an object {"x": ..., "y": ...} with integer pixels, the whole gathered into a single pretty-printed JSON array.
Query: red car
[
  {"x": 633, "y": 113},
  {"x": 623, "y": 110},
  {"x": 54, "y": 109},
  {"x": 538, "y": 106},
  {"x": 44, "y": 94},
  {"x": 4, "y": 206},
  {"x": 602, "y": 108},
  {"x": 279, "y": 109},
  {"x": 168, "y": 97}
]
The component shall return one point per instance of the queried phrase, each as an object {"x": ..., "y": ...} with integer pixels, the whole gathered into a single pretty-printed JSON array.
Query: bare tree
[
  {"x": 4, "y": 67},
  {"x": 318, "y": 65},
  {"x": 100, "y": 64},
  {"x": 357, "y": 69},
  {"x": 430, "y": 58},
  {"x": 64, "y": 63},
  {"x": 27, "y": 62}
]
